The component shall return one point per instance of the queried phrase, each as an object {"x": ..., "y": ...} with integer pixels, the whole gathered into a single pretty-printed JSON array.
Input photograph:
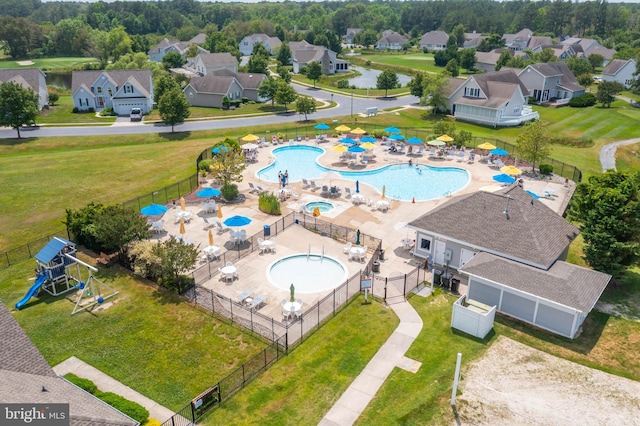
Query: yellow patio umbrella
[
  {"x": 358, "y": 131},
  {"x": 183, "y": 204},
  {"x": 445, "y": 138},
  {"x": 210, "y": 237},
  {"x": 384, "y": 189},
  {"x": 488, "y": 146},
  {"x": 182, "y": 230},
  {"x": 250, "y": 138},
  {"x": 316, "y": 212},
  {"x": 339, "y": 148},
  {"x": 368, "y": 145},
  {"x": 343, "y": 128},
  {"x": 511, "y": 170},
  {"x": 219, "y": 211}
]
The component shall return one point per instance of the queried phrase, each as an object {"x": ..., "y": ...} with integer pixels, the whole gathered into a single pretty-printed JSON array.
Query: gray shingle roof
[
  {"x": 616, "y": 65},
  {"x": 250, "y": 81},
  {"x": 535, "y": 41},
  {"x": 567, "y": 79},
  {"x": 119, "y": 77},
  {"x": 306, "y": 56},
  {"x": 30, "y": 75},
  {"x": 502, "y": 76},
  {"x": 490, "y": 58},
  {"x": 564, "y": 283},
  {"x": 532, "y": 233},
  {"x": 393, "y": 37},
  {"x": 212, "y": 83},
  {"x": 223, "y": 58},
  {"x": 435, "y": 37}
]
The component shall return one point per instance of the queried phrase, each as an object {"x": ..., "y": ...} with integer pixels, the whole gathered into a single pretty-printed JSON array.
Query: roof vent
[{"x": 506, "y": 209}]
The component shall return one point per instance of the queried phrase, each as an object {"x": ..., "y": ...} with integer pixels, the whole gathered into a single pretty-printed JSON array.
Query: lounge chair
[
  {"x": 347, "y": 247},
  {"x": 347, "y": 191},
  {"x": 261, "y": 245},
  {"x": 252, "y": 187},
  {"x": 325, "y": 190},
  {"x": 314, "y": 186},
  {"x": 451, "y": 155},
  {"x": 365, "y": 160},
  {"x": 259, "y": 188},
  {"x": 208, "y": 223},
  {"x": 460, "y": 157},
  {"x": 221, "y": 227},
  {"x": 305, "y": 183},
  {"x": 472, "y": 158},
  {"x": 257, "y": 302}
]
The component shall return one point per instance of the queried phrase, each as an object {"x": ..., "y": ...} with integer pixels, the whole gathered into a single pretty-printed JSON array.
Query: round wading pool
[{"x": 308, "y": 273}]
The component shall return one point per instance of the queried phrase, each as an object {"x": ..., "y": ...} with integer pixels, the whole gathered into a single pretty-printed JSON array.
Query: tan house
[{"x": 29, "y": 78}]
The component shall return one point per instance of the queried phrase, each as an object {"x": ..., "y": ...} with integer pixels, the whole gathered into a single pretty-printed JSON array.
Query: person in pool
[{"x": 410, "y": 162}]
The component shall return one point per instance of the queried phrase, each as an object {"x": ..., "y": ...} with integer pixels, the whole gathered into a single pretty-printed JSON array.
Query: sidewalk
[
  {"x": 108, "y": 384},
  {"x": 358, "y": 395}
]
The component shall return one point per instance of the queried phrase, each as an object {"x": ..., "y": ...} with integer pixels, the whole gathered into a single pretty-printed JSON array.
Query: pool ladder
[{"x": 309, "y": 253}]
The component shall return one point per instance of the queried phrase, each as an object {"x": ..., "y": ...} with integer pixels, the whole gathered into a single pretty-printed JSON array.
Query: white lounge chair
[
  {"x": 261, "y": 245},
  {"x": 460, "y": 156},
  {"x": 347, "y": 191},
  {"x": 258, "y": 301},
  {"x": 221, "y": 227},
  {"x": 347, "y": 247},
  {"x": 305, "y": 183},
  {"x": 314, "y": 186},
  {"x": 252, "y": 187},
  {"x": 365, "y": 160}
]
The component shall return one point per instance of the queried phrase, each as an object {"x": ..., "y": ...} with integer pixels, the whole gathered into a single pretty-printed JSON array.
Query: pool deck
[{"x": 387, "y": 226}]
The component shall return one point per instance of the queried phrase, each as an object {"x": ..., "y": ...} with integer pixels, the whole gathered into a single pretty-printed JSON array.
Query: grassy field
[
  {"x": 48, "y": 63},
  {"x": 411, "y": 61},
  {"x": 148, "y": 339},
  {"x": 62, "y": 113}
]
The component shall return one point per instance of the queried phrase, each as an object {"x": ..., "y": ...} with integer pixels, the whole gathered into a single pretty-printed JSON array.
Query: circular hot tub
[
  {"x": 308, "y": 273},
  {"x": 323, "y": 206}
]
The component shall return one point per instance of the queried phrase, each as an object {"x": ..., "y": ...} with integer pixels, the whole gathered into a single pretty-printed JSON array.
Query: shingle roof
[
  {"x": 564, "y": 283},
  {"x": 212, "y": 83},
  {"x": 502, "y": 76},
  {"x": 393, "y": 37},
  {"x": 305, "y": 56},
  {"x": 299, "y": 45},
  {"x": 531, "y": 233},
  {"x": 536, "y": 41},
  {"x": 435, "y": 37},
  {"x": 498, "y": 94},
  {"x": 223, "y": 58},
  {"x": 250, "y": 81},
  {"x": 490, "y": 58},
  {"x": 452, "y": 84},
  {"x": 199, "y": 39},
  {"x": 119, "y": 77},
  {"x": 616, "y": 65},
  {"x": 30, "y": 75},
  {"x": 567, "y": 79}
]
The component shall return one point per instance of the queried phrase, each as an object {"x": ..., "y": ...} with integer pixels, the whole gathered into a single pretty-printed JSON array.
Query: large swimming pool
[{"x": 401, "y": 181}]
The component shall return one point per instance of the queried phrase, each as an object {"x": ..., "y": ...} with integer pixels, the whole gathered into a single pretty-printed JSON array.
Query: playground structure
[{"x": 59, "y": 271}]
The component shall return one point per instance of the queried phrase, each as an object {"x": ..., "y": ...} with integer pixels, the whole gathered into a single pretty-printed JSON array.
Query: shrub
[
  {"x": 107, "y": 112},
  {"x": 180, "y": 284},
  {"x": 546, "y": 169},
  {"x": 230, "y": 191},
  {"x": 245, "y": 100},
  {"x": 75, "y": 110},
  {"x": 85, "y": 384},
  {"x": 225, "y": 102},
  {"x": 130, "y": 408},
  {"x": 152, "y": 422},
  {"x": 368, "y": 63},
  {"x": 269, "y": 203},
  {"x": 586, "y": 100},
  {"x": 236, "y": 103},
  {"x": 92, "y": 109},
  {"x": 343, "y": 84},
  {"x": 204, "y": 164}
]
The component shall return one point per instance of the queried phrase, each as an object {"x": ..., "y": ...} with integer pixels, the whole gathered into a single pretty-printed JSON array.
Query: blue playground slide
[{"x": 32, "y": 291}]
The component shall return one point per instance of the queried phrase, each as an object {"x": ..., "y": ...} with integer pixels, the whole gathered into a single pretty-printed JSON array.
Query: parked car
[{"x": 136, "y": 114}]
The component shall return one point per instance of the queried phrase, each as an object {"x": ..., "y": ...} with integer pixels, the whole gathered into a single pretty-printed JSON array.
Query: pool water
[
  {"x": 323, "y": 206},
  {"x": 401, "y": 181},
  {"x": 308, "y": 274}
]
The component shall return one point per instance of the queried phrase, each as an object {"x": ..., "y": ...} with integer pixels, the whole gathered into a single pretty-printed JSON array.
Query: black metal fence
[
  {"x": 27, "y": 251},
  {"x": 168, "y": 194}
]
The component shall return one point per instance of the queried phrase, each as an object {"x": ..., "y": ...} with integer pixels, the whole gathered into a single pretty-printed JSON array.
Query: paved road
[
  {"x": 608, "y": 153},
  {"x": 346, "y": 105}
]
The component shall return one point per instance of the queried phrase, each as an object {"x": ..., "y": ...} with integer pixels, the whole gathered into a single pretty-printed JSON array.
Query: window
[
  {"x": 110, "y": 91},
  {"x": 99, "y": 89},
  {"x": 425, "y": 244},
  {"x": 473, "y": 92},
  {"x": 128, "y": 88}
]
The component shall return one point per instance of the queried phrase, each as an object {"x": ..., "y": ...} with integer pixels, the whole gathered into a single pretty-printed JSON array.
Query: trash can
[
  {"x": 376, "y": 266},
  {"x": 454, "y": 285},
  {"x": 267, "y": 230},
  {"x": 381, "y": 254}
]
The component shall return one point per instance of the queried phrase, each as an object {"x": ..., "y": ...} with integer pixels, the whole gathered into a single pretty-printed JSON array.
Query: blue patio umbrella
[
  {"x": 357, "y": 186},
  {"x": 397, "y": 137},
  {"x": 392, "y": 129},
  {"x": 356, "y": 148},
  {"x": 498, "y": 151},
  {"x": 321, "y": 126},
  {"x": 208, "y": 193},
  {"x": 347, "y": 141},
  {"x": 220, "y": 149},
  {"x": 415, "y": 141},
  {"x": 153, "y": 210},
  {"x": 368, "y": 139},
  {"x": 504, "y": 178},
  {"x": 533, "y": 194},
  {"x": 237, "y": 221}
]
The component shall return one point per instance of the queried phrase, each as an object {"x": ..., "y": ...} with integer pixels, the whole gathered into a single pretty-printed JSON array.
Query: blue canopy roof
[{"x": 52, "y": 249}]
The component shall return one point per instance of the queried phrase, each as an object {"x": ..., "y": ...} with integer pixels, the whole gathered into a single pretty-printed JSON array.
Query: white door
[
  {"x": 465, "y": 256},
  {"x": 439, "y": 254}
]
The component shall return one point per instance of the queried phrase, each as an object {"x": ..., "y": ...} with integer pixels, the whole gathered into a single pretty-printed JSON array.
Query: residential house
[
  {"x": 511, "y": 249},
  {"x": 494, "y": 99},
  {"x": 472, "y": 40},
  {"x": 620, "y": 70},
  {"x": 206, "y": 63},
  {"x": 519, "y": 40},
  {"x": 486, "y": 61},
  {"x": 26, "y": 377},
  {"x": 434, "y": 40},
  {"x": 560, "y": 51},
  {"x": 250, "y": 83},
  {"x": 351, "y": 33},
  {"x": 29, "y": 78},
  {"x": 391, "y": 40},
  {"x": 584, "y": 47},
  {"x": 535, "y": 41},
  {"x": 117, "y": 89},
  {"x": 551, "y": 82},
  {"x": 165, "y": 46},
  {"x": 272, "y": 44},
  {"x": 303, "y": 55},
  {"x": 209, "y": 90}
]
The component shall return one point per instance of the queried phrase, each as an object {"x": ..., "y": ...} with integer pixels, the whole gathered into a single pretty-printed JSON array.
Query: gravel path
[{"x": 608, "y": 153}]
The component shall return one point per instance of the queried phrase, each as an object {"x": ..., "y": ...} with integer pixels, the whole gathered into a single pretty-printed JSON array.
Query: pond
[
  {"x": 368, "y": 78},
  {"x": 61, "y": 80}
]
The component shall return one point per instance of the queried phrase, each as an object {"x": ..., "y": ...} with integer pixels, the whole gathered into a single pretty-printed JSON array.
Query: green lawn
[
  {"x": 48, "y": 63},
  {"x": 62, "y": 113},
  {"x": 148, "y": 339},
  {"x": 413, "y": 61}
]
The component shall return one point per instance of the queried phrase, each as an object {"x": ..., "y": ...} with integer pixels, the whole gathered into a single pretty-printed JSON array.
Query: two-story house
[
  {"x": 117, "y": 89},
  {"x": 494, "y": 99},
  {"x": 207, "y": 63},
  {"x": 620, "y": 70},
  {"x": 272, "y": 44},
  {"x": 434, "y": 40},
  {"x": 29, "y": 78},
  {"x": 304, "y": 54},
  {"x": 165, "y": 46},
  {"x": 391, "y": 40},
  {"x": 551, "y": 81}
]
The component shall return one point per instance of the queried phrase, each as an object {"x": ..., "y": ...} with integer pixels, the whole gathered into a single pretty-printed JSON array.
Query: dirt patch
[
  {"x": 517, "y": 385},
  {"x": 25, "y": 63}
]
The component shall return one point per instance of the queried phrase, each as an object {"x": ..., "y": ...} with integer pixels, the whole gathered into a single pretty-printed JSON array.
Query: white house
[
  {"x": 620, "y": 70},
  {"x": 206, "y": 63},
  {"x": 518, "y": 41},
  {"x": 165, "y": 46},
  {"x": 510, "y": 247},
  {"x": 494, "y": 99},
  {"x": 117, "y": 89},
  {"x": 272, "y": 44},
  {"x": 551, "y": 82},
  {"x": 351, "y": 33},
  {"x": 29, "y": 78},
  {"x": 391, "y": 40}
]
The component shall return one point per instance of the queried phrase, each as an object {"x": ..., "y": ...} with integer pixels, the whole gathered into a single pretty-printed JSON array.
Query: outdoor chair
[
  {"x": 261, "y": 245},
  {"x": 208, "y": 223},
  {"x": 347, "y": 191},
  {"x": 364, "y": 160},
  {"x": 305, "y": 183},
  {"x": 221, "y": 227},
  {"x": 347, "y": 247},
  {"x": 258, "y": 301},
  {"x": 314, "y": 186},
  {"x": 460, "y": 156},
  {"x": 325, "y": 190},
  {"x": 252, "y": 187}
]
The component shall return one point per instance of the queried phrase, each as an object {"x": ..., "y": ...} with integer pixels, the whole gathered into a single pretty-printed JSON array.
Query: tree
[
  {"x": 305, "y": 105},
  {"x": 606, "y": 207},
  {"x": 607, "y": 91},
  {"x": 314, "y": 71},
  {"x": 285, "y": 94},
  {"x": 533, "y": 143},
  {"x": 284, "y": 54},
  {"x": 19, "y": 36},
  {"x": 453, "y": 68},
  {"x": 53, "y": 98},
  {"x": 494, "y": 41},
  {"x": 366, "y": 38},
  {"x": 503, "y": 59},
  {"x": 259, "y": 49},
  {"x": 258, "y": 64},
  {"x": 434, "y": 88},
  {"x": 116, "y": 227},
  {"x": 416, "y": 85},
  {"x": 227, "y": 166},
  {"x": 176, "y": 258},
  {"x": 172, "y": 60},
  {"x": 268, "y": 89},
  {"x": 387, "y": 80},
  {"x": 119, "y": 42},
  {"x": 162, "y": 85},
  {"x": 458, "y": 33},
  {"x": 468, "y": 59},
  {"x": 596, "y": 60},
  {"x": 579, "y": 66},
  {"x": 173, "y": 107},
  {"x": 284, "y": 73},
  {"x": 18, "y": 106}
]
